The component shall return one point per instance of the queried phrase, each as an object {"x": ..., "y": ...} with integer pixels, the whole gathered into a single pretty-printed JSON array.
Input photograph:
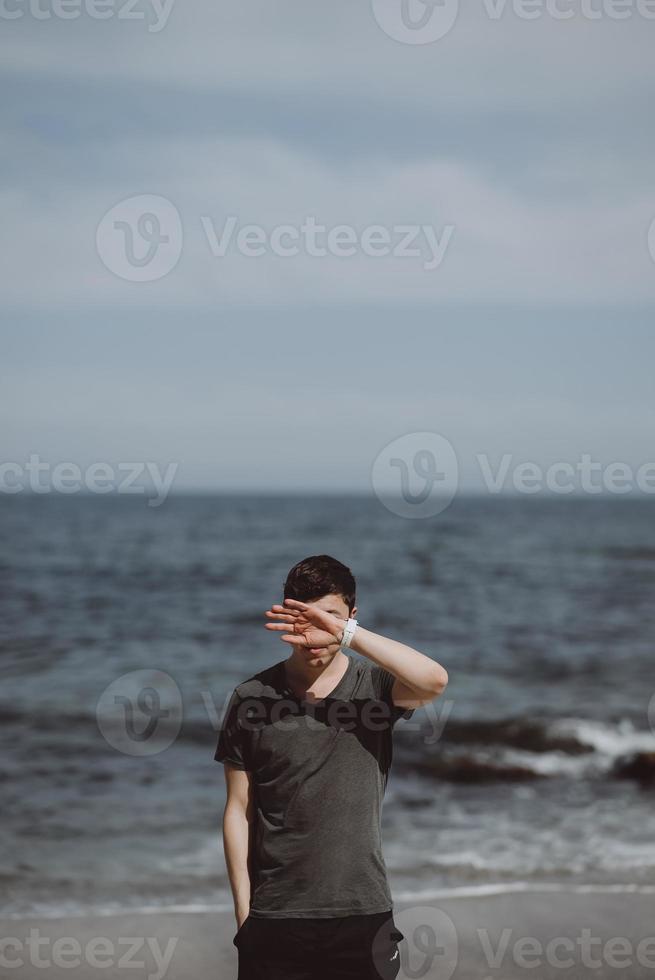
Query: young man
[{"x": 307, "y": 747}]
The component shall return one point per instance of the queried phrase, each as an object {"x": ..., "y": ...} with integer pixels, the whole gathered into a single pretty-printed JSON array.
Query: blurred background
[{"x": 374, "y": 280}]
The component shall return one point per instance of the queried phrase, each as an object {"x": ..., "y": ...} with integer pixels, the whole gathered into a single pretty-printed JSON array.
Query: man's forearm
[
  {"x": 236, "y": 843},
  {"x": 418, "y": 673}
]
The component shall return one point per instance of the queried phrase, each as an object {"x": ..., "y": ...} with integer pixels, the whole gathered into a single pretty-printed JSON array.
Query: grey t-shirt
[{"x": 319, "y": 772}]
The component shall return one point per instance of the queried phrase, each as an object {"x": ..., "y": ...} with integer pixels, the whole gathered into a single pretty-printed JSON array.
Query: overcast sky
[{"x": 503, "y": 172}]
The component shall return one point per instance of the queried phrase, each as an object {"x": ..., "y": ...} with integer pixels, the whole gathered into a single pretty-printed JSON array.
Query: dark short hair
[{"x": 317, "y": 576}]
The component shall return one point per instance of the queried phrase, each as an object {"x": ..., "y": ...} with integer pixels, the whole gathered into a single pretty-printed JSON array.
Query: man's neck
[{"x": 303, "y": 675}]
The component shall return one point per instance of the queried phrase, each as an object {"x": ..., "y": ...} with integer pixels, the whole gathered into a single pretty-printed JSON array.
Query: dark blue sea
[{"x": 534, "y": 767}]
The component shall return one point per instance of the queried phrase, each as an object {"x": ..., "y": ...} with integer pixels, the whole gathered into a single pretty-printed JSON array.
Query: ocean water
[{"x": 541, "y": 610}]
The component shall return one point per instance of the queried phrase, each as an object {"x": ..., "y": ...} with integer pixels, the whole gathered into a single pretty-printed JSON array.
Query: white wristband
[{"x": 348, "y": 633}]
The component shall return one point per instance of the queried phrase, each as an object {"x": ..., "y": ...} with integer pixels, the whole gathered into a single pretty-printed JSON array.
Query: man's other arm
[{"x": 237, "y": 820}]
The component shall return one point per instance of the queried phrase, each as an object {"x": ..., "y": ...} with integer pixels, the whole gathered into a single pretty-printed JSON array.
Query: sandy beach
[{"x": 543, "y": 934}]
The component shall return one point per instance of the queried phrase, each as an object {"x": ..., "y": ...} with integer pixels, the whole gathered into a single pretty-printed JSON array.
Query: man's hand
[{"x": 305, "y": 625}]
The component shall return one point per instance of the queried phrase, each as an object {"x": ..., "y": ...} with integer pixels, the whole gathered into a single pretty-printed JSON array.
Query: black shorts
[{"x": 352, "y": 947}]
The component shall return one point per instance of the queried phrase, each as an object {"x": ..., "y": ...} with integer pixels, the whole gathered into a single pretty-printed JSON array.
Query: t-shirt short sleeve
[
  {"x": 383, "y": 681},
  {"x": 231, "y": 742}
]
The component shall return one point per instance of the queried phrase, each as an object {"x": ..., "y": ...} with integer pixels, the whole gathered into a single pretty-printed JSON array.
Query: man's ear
[{"x": 352, "y": 614}]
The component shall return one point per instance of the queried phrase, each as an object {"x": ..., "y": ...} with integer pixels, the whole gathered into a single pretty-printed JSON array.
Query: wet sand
[{"x": 539, "y": 935}]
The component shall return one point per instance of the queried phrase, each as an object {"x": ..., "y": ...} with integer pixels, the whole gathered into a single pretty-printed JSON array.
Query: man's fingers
[
  {"x": 283, "y": 609},
  {"x": 280, "y": 627},
  {"x": 285, "y": 617},
  {"x": 294, "y": 604}
]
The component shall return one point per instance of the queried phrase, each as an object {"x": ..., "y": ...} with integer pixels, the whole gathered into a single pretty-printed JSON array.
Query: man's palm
[{"x": 305, "y": 624}]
